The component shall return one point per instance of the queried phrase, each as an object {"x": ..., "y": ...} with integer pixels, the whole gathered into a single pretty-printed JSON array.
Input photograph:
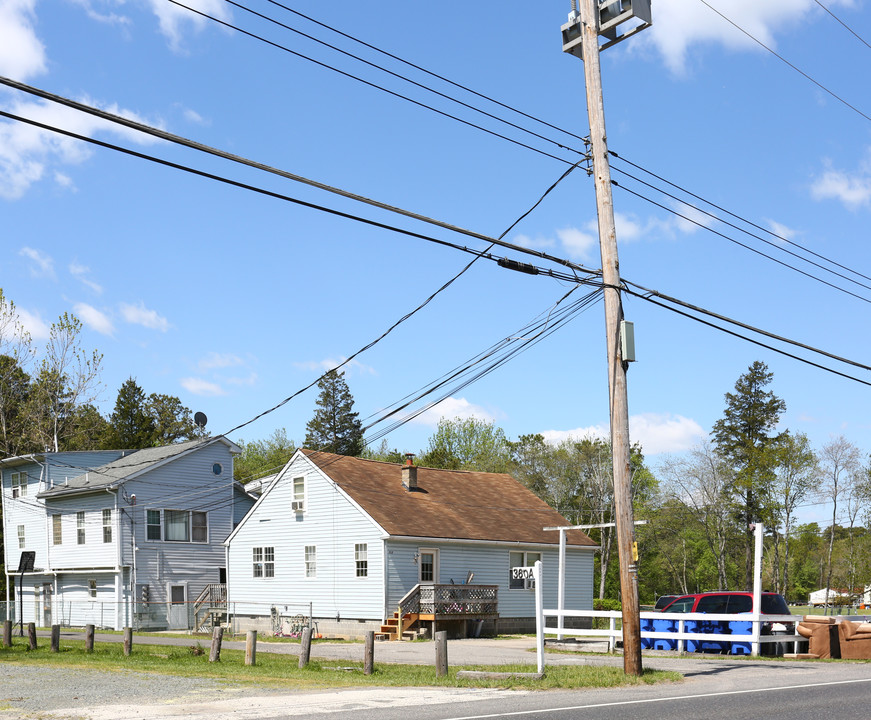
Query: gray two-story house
[{"x": 118, "y": 538}]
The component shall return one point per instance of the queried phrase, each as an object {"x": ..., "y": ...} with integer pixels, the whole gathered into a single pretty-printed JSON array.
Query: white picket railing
[{"x": 684, "y": 628}]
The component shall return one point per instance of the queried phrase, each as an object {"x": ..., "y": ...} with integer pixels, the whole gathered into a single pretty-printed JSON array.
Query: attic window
[{"x": 297, "y": 504}]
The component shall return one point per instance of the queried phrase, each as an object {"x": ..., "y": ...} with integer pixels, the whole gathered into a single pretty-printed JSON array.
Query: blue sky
[{"x": 234, "y": 301}]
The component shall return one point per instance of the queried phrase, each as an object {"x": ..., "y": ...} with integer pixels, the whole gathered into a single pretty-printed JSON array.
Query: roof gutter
[{"x": 471, "y": 541}]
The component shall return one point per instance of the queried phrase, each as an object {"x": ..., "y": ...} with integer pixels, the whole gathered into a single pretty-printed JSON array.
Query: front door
[
  {"x": 428, "y": 566},
  {"x": 178, "y": 614}
]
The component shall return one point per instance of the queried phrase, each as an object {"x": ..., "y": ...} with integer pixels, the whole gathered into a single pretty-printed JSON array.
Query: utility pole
[{"x": 581, "y": 38}]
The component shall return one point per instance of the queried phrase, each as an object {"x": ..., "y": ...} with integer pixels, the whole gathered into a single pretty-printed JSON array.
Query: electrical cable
[
  {"x": 401, "y": 77},
  {"x": 786, "y": 62},
  {"x": 369, "y": 83},
  {"x": 844, "y": 25}
]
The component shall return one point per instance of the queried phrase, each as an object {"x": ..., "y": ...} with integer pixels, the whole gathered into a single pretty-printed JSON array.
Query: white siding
[{"x": 332, "y": 524}]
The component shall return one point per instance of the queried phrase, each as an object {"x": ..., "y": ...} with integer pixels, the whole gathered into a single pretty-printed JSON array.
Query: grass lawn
[{"x": 282, "y": 671}]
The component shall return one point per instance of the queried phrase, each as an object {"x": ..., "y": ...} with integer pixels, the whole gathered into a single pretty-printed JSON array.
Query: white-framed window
[
  {"x": 56, "y": 530},
  {"x": 21, "y": 537},
  {"x": 92, "y": 588},
  {"x": 521, "y": 559},
  {"x": 107, "y": 525},
  {"x": 80, "y": 527},
  {"x": 311, "y": 561},
  {"x": 153, "y": 527},
  {"x": 263, "y": 562},
  {"x": 297, "y": 504},
  {"x": 177, "y": 526},
  {"x": 361, "y": 559},
  {"x": 19, "y": 484},
  {"x": 428, "y": 565}
]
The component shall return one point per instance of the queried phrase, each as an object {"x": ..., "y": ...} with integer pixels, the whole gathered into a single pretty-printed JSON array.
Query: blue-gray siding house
[
  {"x": 118, "y": 538},
  {"x": 351, "y": 538}
]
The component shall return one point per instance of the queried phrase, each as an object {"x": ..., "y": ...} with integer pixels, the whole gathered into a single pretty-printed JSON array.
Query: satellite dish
[{"x": 200, "y": 419}]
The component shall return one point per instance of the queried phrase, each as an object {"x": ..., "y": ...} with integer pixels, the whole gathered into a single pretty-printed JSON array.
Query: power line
[
  {"x": 844, "y": 25},
  {"x": 369, "y": 83},
  {"x": 786, "y": 62}
]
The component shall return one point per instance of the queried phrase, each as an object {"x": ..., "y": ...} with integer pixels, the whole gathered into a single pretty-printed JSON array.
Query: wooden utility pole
[{"x": 613, "y": 316}]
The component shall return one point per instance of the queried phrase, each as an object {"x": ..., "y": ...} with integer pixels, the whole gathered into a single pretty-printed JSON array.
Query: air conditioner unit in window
[{"x": 297, "y": 505}]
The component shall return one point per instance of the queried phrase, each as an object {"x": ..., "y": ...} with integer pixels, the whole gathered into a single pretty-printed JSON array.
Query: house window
[
  {"x": 361, "y": 559},
  {"x": 21, "y": 537},
  {"x": 152, "y": 525},
  {"x": 179, "y": 526},
  {"x": 92, "y": 588},
  {"x": 80, "y": 527},
  {"x": 521, "y": 559},
  {"x": 199, "y": 527},
  {"x": 263, "y": 562},
  {"x": 298, "y": 502},
  {"x": 19, "y": 484},
  {"x": 56, "y": 533},
  {"x": 311, "y": 561},
  {"x": 107, "y": 525}
]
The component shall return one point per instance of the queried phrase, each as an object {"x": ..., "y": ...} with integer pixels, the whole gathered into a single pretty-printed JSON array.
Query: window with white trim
[
  {"x": 19, "y": 484},
  {"x": 263, "y": 562},
  {"x": 521, "y": 559},
  {"x": 298, "y": 502},
  {"x": 177, "y": 526},
  {"x": 311, "y": 561},
  {"x": 21, "y": 537},
  {"x": 56, "y": 530},
  {"x": 107, "y": 525},
  {"x": 361, "y": 559},
  {"x": 80, "y": 527},
  {"x": 92, "y": 588}
]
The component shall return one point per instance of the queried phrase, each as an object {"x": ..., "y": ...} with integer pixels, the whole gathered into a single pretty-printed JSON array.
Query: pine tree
[
  {"x": 743, "y": 437},
  {"x": 335, "y": 426},
  {"x": 132, "y": 427}
]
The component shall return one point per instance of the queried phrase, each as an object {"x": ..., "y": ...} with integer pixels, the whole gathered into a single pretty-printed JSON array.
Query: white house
[
  {"x": 118, "y": 538},
  {"x": 354, "y": 538}
]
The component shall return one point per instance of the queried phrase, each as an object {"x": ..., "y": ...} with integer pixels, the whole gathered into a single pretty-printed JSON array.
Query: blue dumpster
[
  {"x": 740, "y": 627},
  {"x": 708, "y": 627},
  {"x": 664, "y": 625}
]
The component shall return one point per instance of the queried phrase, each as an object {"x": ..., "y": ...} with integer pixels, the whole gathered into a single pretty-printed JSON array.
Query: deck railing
[{"x": 470, "y": 601}]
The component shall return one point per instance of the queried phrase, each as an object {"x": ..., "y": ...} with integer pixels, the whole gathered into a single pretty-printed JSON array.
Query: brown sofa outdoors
[
  {"x": 830, "y": 637},
  {"x": 822, "y": 634},
  {"x": 855, "y": 640}
]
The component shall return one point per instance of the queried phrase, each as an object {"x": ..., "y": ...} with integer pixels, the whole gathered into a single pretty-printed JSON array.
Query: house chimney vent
[{"x": 409, "y": 473}]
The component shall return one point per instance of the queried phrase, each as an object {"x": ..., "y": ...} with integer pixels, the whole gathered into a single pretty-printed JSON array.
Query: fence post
[
  {"x": 369, "y": 653},
  {"x": 251, "y": 647},
  {"x": 217, "y": 639},
  {"x": 305, "y": 647},
  {"x": 55, "y": 638},
  {"x": 612, "y": 629},
  {"x": 89, "y": 638},
  {"x": 7, "y": 633},
  {"x": 681, "y": 643},
  {"x": 31, "y": 635},
  {"x": 128, "y": 640},
  {"x": 441, "y": 643}
]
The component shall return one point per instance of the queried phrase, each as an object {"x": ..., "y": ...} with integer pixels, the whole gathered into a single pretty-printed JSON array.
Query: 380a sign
[{"x": 523, "y": 573}]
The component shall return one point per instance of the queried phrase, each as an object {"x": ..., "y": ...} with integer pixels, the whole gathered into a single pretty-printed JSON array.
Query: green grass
[{"x": 282, "y": 671}]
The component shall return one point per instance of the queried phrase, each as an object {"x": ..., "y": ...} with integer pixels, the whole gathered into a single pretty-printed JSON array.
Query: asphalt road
[{"x": 714, "y": 687}]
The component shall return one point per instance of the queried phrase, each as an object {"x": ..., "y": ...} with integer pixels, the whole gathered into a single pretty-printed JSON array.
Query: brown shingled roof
[{"x": 447, "y": 503}]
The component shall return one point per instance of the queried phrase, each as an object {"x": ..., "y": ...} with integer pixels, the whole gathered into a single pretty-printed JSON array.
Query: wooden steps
[{"x": 397, "y": 628}]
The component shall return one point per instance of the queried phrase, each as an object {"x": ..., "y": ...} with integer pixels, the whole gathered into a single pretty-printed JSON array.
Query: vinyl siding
[{"x": 333, "y": 525}]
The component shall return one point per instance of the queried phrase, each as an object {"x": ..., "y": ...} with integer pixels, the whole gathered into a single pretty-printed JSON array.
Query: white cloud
[
  {"x": 680, "y": 25},
  {"x": 34, "y": 324},
  {"x": 782, "y": 232},
  {"x": 656, "y": 433},
  {"x": 22, "y": 55},
  {"x": 691, "y": 219},
  {"x": 94, "y": 319},
  {"x": 578, "y": 244},
  {"x": 105, "y": 18},
  {"x": 204, "y": 388},
  {"x": 174, "y": 19},
  {"x": 41, "y": 266},
  {"x": 331, "y": 364},
  {"x": 214, "y": 360},
  {"x": 853, "y": 190},
  {"x": 453, "y": 408},
  {"x": 537, "y": 243},
  {"x": 81, "y": 272},
  {"x": 140, "y": 315},
  {"x": 27, "y": 152}
]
